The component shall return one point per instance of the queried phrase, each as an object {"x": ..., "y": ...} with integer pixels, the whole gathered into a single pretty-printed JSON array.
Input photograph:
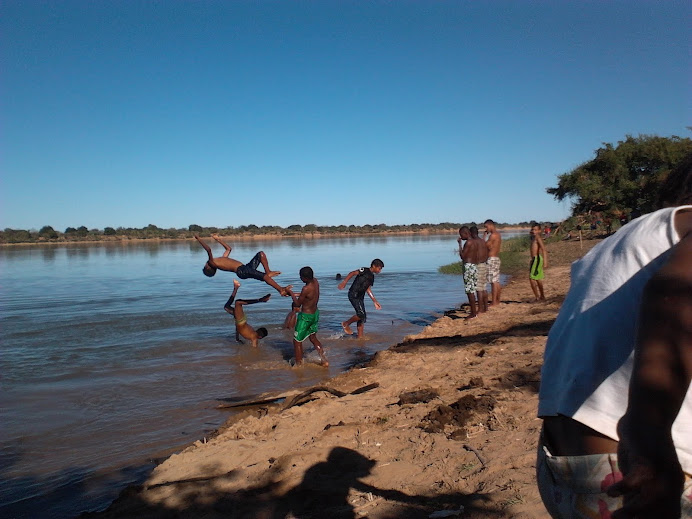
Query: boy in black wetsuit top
[{"x": 365, "y": 278}]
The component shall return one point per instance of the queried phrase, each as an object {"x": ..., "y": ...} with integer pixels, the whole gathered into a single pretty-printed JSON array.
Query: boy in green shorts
[
  {"x": 309, "y": 316},
  {"x": 539, "y": 261}
]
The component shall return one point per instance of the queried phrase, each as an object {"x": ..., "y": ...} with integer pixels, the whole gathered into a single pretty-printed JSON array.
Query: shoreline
[
  {"x": 447, "y": 419},
  {"x": 115, "y": 240}
]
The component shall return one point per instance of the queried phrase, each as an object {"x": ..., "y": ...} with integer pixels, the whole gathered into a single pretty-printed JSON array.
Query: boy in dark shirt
[{"x": 365, "y": 278}]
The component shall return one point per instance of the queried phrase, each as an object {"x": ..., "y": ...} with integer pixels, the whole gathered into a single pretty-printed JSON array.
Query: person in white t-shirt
[{"x": 615, "y": 394}]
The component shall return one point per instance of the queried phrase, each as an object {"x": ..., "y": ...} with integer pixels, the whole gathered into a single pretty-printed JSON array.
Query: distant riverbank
[{"x": 66, "y": 239}]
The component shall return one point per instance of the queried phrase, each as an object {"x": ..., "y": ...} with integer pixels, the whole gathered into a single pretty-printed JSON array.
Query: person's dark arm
[
  {"x": 653, "y": 479},
  {"x": 206, "y": 248},
  {"x": 342, "y": 285},
  {"x": 227, "y": 247},
  {"x": 300, "y": 298}
]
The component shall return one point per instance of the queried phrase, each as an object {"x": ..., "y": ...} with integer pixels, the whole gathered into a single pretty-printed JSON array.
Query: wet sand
[{"x": 444, "y": 420}]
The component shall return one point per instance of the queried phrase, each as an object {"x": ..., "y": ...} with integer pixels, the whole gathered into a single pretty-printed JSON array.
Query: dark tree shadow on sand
[
  {"x": 323, "y": 493},
  {"x": 540, "y": 328}
]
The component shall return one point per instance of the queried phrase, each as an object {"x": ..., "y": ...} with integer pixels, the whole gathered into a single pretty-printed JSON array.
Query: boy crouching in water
[{"x": 308, "y": 317}]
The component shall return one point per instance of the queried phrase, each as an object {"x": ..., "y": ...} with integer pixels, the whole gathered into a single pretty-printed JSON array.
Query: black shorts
[
  {"x": 249, "y": 270},
  {"x": 359, "y": 306}
]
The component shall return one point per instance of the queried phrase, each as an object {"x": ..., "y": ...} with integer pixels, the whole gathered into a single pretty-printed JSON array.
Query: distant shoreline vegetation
[{"x": 151, "y": 232}]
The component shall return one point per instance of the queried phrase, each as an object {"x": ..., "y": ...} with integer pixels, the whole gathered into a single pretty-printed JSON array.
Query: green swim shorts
[
  {"x": 536, "y": 269},
  {"x": 306, "y": 325}
]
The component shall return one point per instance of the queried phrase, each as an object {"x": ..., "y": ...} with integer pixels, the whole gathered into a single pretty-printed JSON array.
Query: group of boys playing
[{"x": 304, "y": 315}]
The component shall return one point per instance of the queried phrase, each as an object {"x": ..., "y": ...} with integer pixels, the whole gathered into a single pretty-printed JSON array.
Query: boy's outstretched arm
[
  {"x": 372, "y": 296},
  {"x": 206, "y": 247},
  {"x": 222, "y": 243},
  {"x": 297, "y": 299},
  {"x": 342, "y": 285}
]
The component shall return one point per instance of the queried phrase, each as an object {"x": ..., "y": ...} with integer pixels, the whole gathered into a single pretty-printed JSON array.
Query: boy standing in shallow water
[
  {"x": 539, "y": 261},
  {"x": 365, "y": 278},
  {"x": 309, "y": 316},
  {"x": 248, "y": 270}
]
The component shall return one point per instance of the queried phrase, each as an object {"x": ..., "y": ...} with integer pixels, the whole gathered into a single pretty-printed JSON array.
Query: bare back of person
[
  {"x": 472, "y": 251},
  {"x": 482, "y": 250}
]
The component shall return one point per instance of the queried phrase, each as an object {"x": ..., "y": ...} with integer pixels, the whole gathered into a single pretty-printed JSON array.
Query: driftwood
[
  {"x": 250, "y": 403},
  {"x": 302, "y": 398}
]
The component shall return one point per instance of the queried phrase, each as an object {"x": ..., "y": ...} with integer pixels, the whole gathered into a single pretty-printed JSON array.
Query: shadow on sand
[{"x": 324, "y": 492}]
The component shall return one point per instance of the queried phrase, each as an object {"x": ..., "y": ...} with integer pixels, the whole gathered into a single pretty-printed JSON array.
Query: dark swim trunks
[
  {"x": 359, "y": 306},
  {"x": 249, "y": 270}
]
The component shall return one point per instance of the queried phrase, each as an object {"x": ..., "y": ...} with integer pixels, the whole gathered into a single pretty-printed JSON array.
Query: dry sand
[{"x": 451, "y": 429}]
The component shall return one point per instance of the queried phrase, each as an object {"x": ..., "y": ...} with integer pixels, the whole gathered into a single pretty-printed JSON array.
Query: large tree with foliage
[{"x": 624, "y": 178}]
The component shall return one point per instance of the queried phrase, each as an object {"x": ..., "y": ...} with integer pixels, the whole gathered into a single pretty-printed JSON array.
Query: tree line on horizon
[
  {"x": 48, "y": 234},
  {"x": 621, "y": 182}
]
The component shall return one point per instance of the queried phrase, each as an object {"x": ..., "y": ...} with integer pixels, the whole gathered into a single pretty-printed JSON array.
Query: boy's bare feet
[
  {"x": 347, "y": 329},
  {"x": 273, "y": 273},
  {"x": 236, "y": 283},
  {"x": 264, "y": 299}
]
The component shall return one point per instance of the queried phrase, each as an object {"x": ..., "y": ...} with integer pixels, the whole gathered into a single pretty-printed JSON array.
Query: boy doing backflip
[
  {"x": 241, "y": 325},
  {"x": 539, "y": 261},
  {"x": 249, "y": 270},
  {"x": 308, "y": 317},
  {"x": 365, "y": 278}
]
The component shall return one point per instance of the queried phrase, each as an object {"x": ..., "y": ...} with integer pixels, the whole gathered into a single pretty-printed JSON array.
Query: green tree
[
  {"x": 48, "y": 232},
  {"x": 622, "y": 178},
  {"x": 109, "y": 231}
]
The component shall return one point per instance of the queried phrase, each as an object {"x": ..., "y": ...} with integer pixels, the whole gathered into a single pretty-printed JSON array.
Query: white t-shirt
[{"x": 589, "y": 355}]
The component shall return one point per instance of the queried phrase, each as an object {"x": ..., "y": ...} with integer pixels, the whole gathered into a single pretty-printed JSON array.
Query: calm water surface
[{"x": 113, "y": 355}]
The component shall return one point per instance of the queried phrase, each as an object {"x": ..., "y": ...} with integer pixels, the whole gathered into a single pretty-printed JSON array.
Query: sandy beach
[{"x": 442, "y": 424}]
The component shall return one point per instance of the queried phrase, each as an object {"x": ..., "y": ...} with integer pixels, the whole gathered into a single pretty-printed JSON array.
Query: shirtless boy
[
  {"x": 471, "y": 254},
  {"x": 248, "y": 270},
  {"x": 539, "y": 261},
  {"x": 365, "y": 278},
  {"x": 308, "y": 317},
  {"x": 242, "y": 328},
  {"x": 481, "y": 290},
  {"x": 493, "y": 243}
]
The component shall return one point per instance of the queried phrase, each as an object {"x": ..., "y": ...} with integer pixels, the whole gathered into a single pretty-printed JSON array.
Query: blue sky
[{"x": 218, "y": 113}]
